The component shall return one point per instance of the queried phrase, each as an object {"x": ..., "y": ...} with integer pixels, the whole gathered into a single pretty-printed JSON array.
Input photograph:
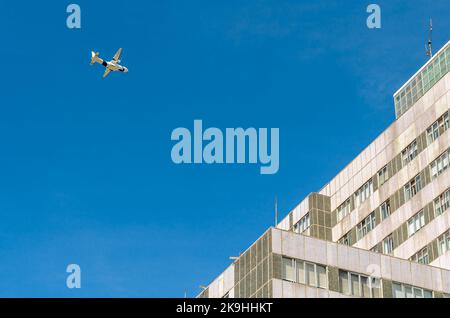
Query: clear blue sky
[{"x": 86, "y": 175}]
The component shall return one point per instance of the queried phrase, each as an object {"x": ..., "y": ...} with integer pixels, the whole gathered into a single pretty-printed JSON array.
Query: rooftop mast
[{"x": 429, "y": 46}]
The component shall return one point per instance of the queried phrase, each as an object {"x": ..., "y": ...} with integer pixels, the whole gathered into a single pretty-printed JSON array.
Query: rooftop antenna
[
  {"x": 429, "y": 46},
  {"x": 276, "y": 211}
]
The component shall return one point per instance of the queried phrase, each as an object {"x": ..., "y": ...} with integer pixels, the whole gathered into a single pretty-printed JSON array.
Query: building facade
[{"x": 380, "y": 228}]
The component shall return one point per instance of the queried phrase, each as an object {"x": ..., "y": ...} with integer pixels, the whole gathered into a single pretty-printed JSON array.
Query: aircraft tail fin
[{"x": 95, "y": 58}]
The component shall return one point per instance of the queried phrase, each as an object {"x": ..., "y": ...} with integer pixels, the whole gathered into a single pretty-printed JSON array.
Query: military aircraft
[{"x": 113, "y": 65}]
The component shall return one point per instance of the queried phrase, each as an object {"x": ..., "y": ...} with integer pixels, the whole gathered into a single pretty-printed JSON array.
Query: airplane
[{"x": 113, "y": 65}]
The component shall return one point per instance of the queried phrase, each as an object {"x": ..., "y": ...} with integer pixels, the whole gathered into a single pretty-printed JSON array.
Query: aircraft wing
[
  {"x": 117, "y": 55},
  {"x": 106, "y": 72}
]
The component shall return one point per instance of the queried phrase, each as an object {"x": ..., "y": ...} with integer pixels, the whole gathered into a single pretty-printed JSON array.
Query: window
[
  {"x": 409, "y": 153},
  {"x": 321, "y": 276},
  {"x": 288, "y": 269},
  {"x": 298, "y": 271},
  {"x": 385, "y": 210},
  {"x": 303, "y": 224},
  {"x": 444, "y": 243},
  {"x": 416, "y": 223},
  {"x": 407, "y": 291},
  {"x": 363, "y": 193},
  {"x": 421, "y": 257},
  {"x": 367, "y": 225},
  {"x": 383, "y": 176},
  {"x": 437, "y": 128},
  {"x": 346, "y": 239},
  {"x": 442, "y": 203},
  {"x": 358, "y": 285},
  {"x": 388, "y": 245},
  {"x": 311, "y": 277},
  {"x": 441, "y": 164},
  {"x": 412, "y": 187},
  {"x": 343, "y": 210},
  {"x": 344, "y": 283},
  {"x": 355, "y": 285},
  {"x": 432, "y": 133}
]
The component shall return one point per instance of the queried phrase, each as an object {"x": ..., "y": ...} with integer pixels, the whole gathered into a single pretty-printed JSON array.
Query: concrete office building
[{"x": 380, "y": 228}]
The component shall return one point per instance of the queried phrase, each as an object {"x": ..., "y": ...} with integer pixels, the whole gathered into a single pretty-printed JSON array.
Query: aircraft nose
[{"x": 126, "y": 70}]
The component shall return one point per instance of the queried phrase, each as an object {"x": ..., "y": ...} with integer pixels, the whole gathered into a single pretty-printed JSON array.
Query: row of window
[
  {"x": 383, "y": 176},
  {"x": 441, "y": 164},
  {"x": 442, "y": 203},
  {"x": 350, "y": 283},
  {"x": 353, "y": 284},
  {"x": 303, "y": 224},
  {"x": 346, "y": 239},
  {"x": 421, "y": 257},
  {"x": 385, "y": 209},
  {"x": 413, "y": 187},
  {"x": 416, "y": 223},
  {"x": 436, "y": 70},
  {"x": 410, "y": 152},
  {"x": 444, "y": 243},
  {"x": 420, "y": 84},
  {"x": 440, "y": 125},
  {"x": 360, "y": 196},
  {"x": 407, "y": 291},
  {"x": 343, "y": 210},
  {"x": 363, "y": 193},
  {"x": 388, "y": 244},
  {"x": 306, "y": 273},
  {"x": 367, "y": 225},
  {"x": 315, "y": 275}
]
